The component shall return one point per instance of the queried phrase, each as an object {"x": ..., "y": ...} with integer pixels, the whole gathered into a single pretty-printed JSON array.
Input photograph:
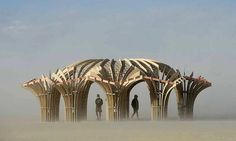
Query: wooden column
[
  {"x": 187, "y": 93},
  {"x": 49, "y": 105}
]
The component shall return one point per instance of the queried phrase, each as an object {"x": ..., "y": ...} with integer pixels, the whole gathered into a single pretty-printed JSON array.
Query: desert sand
[{"x": 33, "y": 130}]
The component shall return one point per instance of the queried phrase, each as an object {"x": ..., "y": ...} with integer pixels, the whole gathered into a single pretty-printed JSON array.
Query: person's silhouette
[
  {"x": 98, "y": 103},
  {"x": 135, "y": 106}
]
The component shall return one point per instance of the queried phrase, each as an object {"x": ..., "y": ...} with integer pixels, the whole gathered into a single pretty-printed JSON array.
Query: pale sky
[{"x": 37, "y": 37}]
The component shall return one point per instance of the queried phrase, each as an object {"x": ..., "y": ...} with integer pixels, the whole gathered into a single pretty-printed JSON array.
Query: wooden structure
[{"x": 116, "y": 78}]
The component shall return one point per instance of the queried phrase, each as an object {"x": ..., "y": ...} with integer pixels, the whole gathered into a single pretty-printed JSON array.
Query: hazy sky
[{"x": 40, "y": 36}]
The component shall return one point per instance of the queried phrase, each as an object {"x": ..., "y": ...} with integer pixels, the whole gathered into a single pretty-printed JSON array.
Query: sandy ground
[{"x": 27, "y": 130}]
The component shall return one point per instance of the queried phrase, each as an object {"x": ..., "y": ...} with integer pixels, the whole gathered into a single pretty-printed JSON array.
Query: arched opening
[
  {"x": 141, "y": 89},
  {"x": 93, "y": 90},
  {"x": 62, "y": 109},
  {"x": 172, "y": 108}
]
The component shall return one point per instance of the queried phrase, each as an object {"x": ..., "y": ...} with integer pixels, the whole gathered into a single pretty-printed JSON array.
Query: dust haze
[
  {"x": 38, "y": 37},
  {"x": 126, "y": 131}
]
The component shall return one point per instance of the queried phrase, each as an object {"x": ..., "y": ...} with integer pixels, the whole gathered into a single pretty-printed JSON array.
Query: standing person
[
  {"x": 135, "y": 106},
  {"x": 98, "y": 103}
]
